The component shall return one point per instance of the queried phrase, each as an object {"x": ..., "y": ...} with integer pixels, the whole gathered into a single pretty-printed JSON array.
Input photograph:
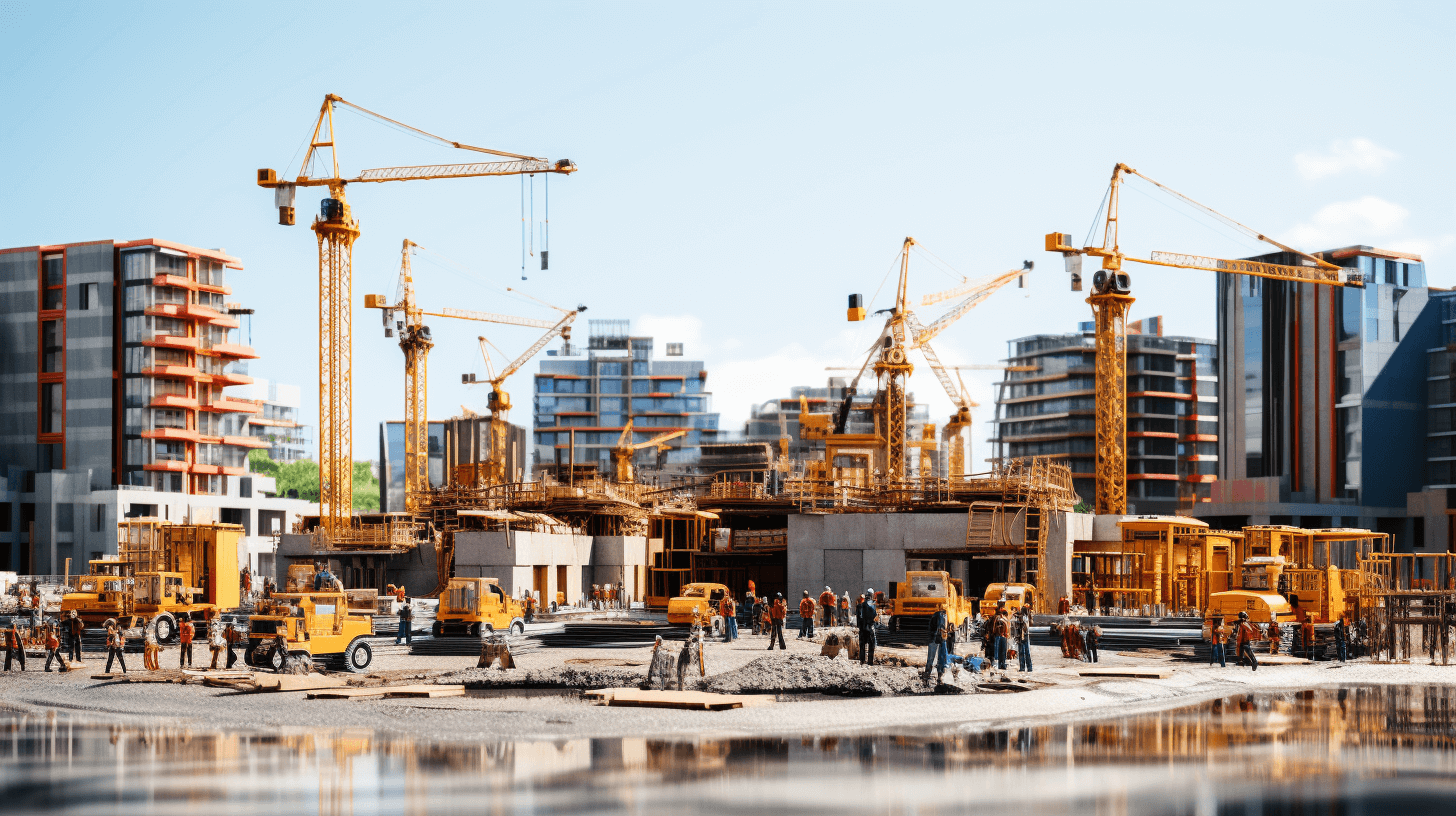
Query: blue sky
[{"x": 744, "y": 166}]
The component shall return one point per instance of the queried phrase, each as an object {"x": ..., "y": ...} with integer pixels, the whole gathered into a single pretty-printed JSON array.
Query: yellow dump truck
[
  {"x": 703, "y": 597},
  {"x": 163, "y": 572},
  {"x": 317, "y": 627},
  {"x": 1013, "y": 596},
  {"x": 470, "y": 606},
  {"x": 922, "y": 594}
]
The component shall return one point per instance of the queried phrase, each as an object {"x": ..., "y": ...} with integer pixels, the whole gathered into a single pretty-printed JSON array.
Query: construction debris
[{"x": 803, "y": 674}]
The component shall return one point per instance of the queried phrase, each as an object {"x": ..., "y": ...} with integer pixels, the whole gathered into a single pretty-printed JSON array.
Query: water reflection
[{"x": 1325, "y": 751}]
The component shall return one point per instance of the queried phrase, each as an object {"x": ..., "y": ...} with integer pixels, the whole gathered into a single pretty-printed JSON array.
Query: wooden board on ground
[
  {"x": 1281, "y": 660},
  {"x": 140, "y": 676},
  {"x": 297, "y": 682},
  {"x": 420, "y": 690},
  {"x": 1127, "y": 671},
  {"x": 690, "y": 700}
]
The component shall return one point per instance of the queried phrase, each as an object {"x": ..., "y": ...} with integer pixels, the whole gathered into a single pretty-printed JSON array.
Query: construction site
[{"x": 1194, "y": 573}]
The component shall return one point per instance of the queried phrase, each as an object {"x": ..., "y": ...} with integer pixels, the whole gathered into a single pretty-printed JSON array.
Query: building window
[
  {"x": 98, "y": 518},
  {"x": 674, "y": 349},
  {"x": 52, "y": 403},
  {"x": 52, "y": 346},
  {"x": 53, "y": 278},
  {"x": 65, "y": 517},
  {"x": 90, "y": 296}
]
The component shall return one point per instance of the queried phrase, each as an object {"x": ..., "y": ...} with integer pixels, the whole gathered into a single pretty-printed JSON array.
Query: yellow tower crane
[
  {"x": 626, "y": 449},
  {"x": 415, "y": 341},
  {"x": 337, "y": 230},
  {"x": 499, "y": 401},
  {"x": 889, "y": 356},
  {"x": 1111, "y": 296}
]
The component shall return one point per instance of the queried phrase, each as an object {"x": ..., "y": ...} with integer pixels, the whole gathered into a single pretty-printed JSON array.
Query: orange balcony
[
  {"x": 231, "y": 379},
  {"x": 167, "y": 465},
  {"x": 174, "y": 280},
  {"x": 180, "y": 372},
  {"x": 171, "y": 434},
  {"x": 234, "y": 350},
  {"x": 217, "y": 470},
  {"x": 224, "y": 322},
  {"x": 229, "y": 405},
  {"x": 245, "y": 441},
  {"x": 171, "y": 341},
  {"x": 164, "y": 310},
  {"x": 173, "y": 401},
  {"x": 207, "y": 287}
]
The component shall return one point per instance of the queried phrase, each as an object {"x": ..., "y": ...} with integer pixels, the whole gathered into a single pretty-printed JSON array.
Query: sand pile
[
  {"x": 775, "y": 674},
  {"x": 570, "y": 677}
]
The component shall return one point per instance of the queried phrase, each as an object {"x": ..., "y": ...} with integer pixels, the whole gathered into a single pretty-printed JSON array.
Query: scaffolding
[{"x": 1408, "y": 601}]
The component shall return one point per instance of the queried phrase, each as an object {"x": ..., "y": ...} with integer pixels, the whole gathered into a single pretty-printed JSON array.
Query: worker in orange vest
[
  {"x": 844, "y": 609},
  {"x": 14, "y": 647},
  {"x": 1275, "y": 635},
  {"x": 776, "y": 614},
  {"x": 1307, "y": 630},
  {"x": 184, "y": 636},
  {"x": 53, "y": 649},
  {"x": 728, "y": 608},
  {"x": 1247, "y": 633},
  {"x": 1064, "y": 606},
  {"x": 806, "y": 617},
  {"x": 826, "y": 603}
]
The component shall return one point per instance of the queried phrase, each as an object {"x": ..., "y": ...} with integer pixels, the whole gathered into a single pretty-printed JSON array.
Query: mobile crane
[
  {"x": 625, "y": 449},
  {"x": 337, "y": 230},
  {"x": 1111, "y": 296}
]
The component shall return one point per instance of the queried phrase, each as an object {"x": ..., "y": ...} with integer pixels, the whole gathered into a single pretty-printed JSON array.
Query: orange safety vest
[
  {"x": 806, "y": 607},
  {"x": 826, "y": 599},
  {"x": 779, "y": 610},
  {"x": 185, "y": 631},
  {"x": 727, "y": 607}
]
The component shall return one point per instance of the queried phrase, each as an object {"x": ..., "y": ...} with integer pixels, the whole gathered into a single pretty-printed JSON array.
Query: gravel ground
[{"x": 1061, "y": 695}]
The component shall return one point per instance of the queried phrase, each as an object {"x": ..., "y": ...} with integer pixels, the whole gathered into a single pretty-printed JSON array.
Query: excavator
[
  {"x": 888, "y": 356},
  {"x": 407, "y": 317},
  {"x": 624, "y": 451},
  {"x": 499, "y": 401}
]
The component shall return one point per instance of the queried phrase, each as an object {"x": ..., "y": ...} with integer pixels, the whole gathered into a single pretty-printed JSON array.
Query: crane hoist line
[
  {"x": 337, "y": 230},
  {"x": 1112, "y": 295}
]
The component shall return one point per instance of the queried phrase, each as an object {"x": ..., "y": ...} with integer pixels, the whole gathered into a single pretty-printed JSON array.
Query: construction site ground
[{"x": 1055, "y": 692}]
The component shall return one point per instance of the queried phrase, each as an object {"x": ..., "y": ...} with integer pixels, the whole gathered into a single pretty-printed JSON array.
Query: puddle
[{"x": 1344, "y": 751}]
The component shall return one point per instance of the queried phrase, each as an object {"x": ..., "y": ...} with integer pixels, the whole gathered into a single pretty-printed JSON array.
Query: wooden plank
[
  {"x": 424, "y": 691},
  {"x": 1281, "y": 660},
  {"x": 687, "y": 700},
  {"x": 297, "y": 682},
  {"x": 1127, "y": 671},
  {"x": 347, "y": 693},
  {"x": 418, "y": 690}
]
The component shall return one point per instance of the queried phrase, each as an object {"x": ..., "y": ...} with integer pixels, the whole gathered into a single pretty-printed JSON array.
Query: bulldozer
[
  {"x": 317, "y": 628},
  {"x": 162, "y": 573},
  {"x": 922, "y": 594}
]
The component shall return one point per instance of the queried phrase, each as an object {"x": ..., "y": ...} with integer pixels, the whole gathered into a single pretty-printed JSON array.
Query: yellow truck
[
  {"x": 922, "y": 594},
  {"x": 318, "y": 628},
  {"x": 470, "y": 606},
  {"x": 703, "y": 597},
  {"x": 1013, "y": 596},
  {"x": 163, "y": 572},
  {"x": 1258, "y": 593}
]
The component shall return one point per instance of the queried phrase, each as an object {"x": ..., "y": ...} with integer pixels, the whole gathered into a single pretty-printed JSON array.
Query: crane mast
[{"x": 337, "y": 230}]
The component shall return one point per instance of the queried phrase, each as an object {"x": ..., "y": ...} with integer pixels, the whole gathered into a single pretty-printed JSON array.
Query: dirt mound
[
  {"x": 777, "y": 674},
  {"x": 571, "y": 677}
]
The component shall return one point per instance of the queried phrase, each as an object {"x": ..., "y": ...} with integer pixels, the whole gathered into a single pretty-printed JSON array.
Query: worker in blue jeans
[
  {"x": 406, "y": 615},
  {"x": 938, "y": 655},
  {"x": 1000, "y": 634},
  {"x": 1021, "y": 633}
]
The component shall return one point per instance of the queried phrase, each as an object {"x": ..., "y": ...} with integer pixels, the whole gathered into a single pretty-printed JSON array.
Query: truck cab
[
  {"x": 1258, "y": 593},
  {"x": 103, "y": 593},
  {"x": 922, "y": 594},
  {"x": 470, "y": 606},
  {"x": 703, "y": 597},
  {"x": 1013, "y": 596},
  {"x": 317, "y": 627}
]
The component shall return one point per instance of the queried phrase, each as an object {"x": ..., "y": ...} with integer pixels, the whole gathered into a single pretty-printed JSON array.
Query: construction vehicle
[
  {"x": 625, "y": 449},
  {"x": 406, "y": 316},
  {"x": 475, "y": 606},
  {"x": 318, "y": 628},
  {"x": 337, "y": 230},
  {"x": 163, "y": 572},
  {"x": 703, "y": 597},
  {"x": 499, "y": 401},
  {"x": 916, "y": 599},
  {"x": 1288, "y": 572},
  {"x": 1111, "y": 297},
  {"x": 1012, "y": 596}
]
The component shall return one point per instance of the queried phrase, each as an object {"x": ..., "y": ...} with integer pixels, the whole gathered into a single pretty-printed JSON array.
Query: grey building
[{"x": 763, "y": 424}]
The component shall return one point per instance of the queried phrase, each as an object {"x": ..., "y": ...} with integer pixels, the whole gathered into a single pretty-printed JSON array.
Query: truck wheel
[
  {"x": 358, "y": 657},
  {"x": 474, "y": 629},
  {"x": 438, "y": 629},
  {"x": 275, "y": 660},
  {"x": 518, "y": 628},
  {"x": 166, "y": 628}
]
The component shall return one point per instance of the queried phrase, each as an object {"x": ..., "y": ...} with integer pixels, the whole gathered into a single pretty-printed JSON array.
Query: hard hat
[
  {"x": 778, "y": 594},
  {"x": 827, "y": 589},
  {"x": 1243, "y": 616}
]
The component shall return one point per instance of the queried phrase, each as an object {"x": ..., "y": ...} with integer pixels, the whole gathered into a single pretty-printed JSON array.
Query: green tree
[{"x": 303, "y": 477}]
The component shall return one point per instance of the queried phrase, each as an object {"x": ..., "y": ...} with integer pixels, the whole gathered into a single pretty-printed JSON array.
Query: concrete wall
[
  {"x": 618, "y": 559},
  {"x": 19, "y": 340},
  {"x": 1430, "y": 506},
  {"x": 510, "y": 556},
  {"x": 1065, "y": 530}
]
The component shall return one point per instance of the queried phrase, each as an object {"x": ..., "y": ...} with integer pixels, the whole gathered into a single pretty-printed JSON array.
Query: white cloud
[
  {"x": 1349, "y": 222},
  {"x": 1344, "y": 154},
  {"x": 663, "y": 329},
  {"x": 738, "y": 385}
]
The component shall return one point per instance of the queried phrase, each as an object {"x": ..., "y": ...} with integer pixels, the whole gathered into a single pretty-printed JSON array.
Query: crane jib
[
  {"x": 1310, "y": 274},
  {"x": 455, "y": 170}
]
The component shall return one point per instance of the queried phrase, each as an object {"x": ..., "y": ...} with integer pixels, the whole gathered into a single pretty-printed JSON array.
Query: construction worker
[
  {"x": 1093, "y": 639},
  {"x": 14, "y": 646},
  {"x": 115, "y": 645},
  {"x": 936, "y": 654},
  {"x": 1247, "y": 633},
  {"x": 806, "y": 617},
  {"x": 1217, "y": 634},
  {"x": 1275, "y": 634},
  {"x": 755, "y": 614},
  {"x": 1021, "y": 635},
  {"x": 151, "y": 649},
  {"x": 233, "y": 637},
  {"x": 826, "y": 603},
  {"x": 1001, "y": 634},
  {"x": 407, "y": 615},
  {"x": 529, "y": 602},
  {"x": 729, "y": 610},
  {"x": 622, "y": 596},
  {"x": 185, "y": 632},
  {"x": 215, "y": 642},
  {"x": 1064, "y": 606},
  {"x": 74, "y": 627},
  {"x": 399, "y": 594},
  {"x": 1306, "y": 629},
  {"x": 1342, "y": 637},
  {"x": 844, "y": 609},
  {"x": 867, "y": 615},
  {"x": 53, "y": 649},
  {"x": 777, "y": 614}
]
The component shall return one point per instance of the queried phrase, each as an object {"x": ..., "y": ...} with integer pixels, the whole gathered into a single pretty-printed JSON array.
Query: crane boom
[
  {"x": 475, "y": 170},
  {"x": 983, "y": 291},
  {"x": 556, "y": 329},
  {"x": 1338, "y": 276},
  {"x": 934, "y": 360},
  {"x": 957, "y": 291},
  {"x": 492, "y": 317}
]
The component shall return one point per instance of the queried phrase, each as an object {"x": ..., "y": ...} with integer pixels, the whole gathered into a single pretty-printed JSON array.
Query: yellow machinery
[
  {"x": 1012, "y": 596},
  {"x": 318, "y": 628},
  {"x": 337, "y": 230},
  {"x": 1170, "y": 564},
  {"x": 891, "y": 363},
  {"x": 499, "y": 401},
  {"x": 415, "y": 342},
  {"x": 704, "y": 597},
  {"x": 626, "y": 449},
  {"x": 1110, "y": 299},
  {"x": 1308, "y": 571},
  {"x": 469, "y": 606},
  {"x": 922, "y": 594},
  {"x": 163, "y": 572}
]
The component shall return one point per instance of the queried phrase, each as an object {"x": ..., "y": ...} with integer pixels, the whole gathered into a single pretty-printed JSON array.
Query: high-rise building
[
  {"x": 1325, "y": 422},
  {"x": 277, "y": 420},
  {"x": 116, "y": 358},
  {"x": 1172, "y": 407},
  {"x": 590, "y": 393}
]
